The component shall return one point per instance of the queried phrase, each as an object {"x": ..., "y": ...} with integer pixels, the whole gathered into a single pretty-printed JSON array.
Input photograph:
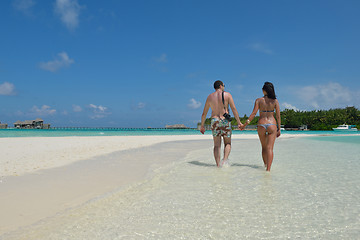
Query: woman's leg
[
  {"x": 263, "y": 140},
  {"x": 271, "y": 137}
]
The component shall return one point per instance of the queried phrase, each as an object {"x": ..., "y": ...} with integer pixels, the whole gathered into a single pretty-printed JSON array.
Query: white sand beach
[
  {"x": 27, "y": 155},
  {"x": 41, "y": 177},
  {"x": 31, "y": 154},
  {"x": 29, "y": 193}
]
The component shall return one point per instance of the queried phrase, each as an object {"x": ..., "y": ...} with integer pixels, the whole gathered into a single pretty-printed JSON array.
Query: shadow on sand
[{"x": 202, "y": 164}]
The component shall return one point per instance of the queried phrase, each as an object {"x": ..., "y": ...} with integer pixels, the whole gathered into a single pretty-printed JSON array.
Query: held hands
[
  {"x": 242, "y": 126},
  {"x": 202, "y": 129},
  {"x": 278, "y": 133}
]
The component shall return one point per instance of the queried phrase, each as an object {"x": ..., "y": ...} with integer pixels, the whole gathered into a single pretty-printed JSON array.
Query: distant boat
[{"x": 345, "y": 128}]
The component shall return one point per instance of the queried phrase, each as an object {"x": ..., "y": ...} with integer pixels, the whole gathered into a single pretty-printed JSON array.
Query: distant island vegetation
[{"x": 315, "y": 120}]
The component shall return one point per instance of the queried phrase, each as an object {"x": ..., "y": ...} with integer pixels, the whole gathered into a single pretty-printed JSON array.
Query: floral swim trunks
[{"x": 220, "y": 127}]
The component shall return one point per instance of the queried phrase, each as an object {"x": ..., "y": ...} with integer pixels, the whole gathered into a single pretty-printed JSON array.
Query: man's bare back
[
  {"x": 214, "y": 101},
  {"x": 216, "y": 104}
]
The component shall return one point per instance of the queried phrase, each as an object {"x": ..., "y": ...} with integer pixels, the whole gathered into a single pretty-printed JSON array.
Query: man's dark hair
[{"x": 217, "y": 84}]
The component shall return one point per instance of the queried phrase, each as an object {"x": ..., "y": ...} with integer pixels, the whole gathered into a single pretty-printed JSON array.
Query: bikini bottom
[{"x": 266, "y": 125}]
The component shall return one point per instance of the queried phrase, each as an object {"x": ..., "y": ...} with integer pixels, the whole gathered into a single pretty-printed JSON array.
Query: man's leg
[
  {"x": 217, "y": 150},
  {"x": 227, "y": 148}
]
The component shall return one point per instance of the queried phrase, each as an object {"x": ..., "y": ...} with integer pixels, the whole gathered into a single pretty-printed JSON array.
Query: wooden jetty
[{"x": 111, "y": 129}]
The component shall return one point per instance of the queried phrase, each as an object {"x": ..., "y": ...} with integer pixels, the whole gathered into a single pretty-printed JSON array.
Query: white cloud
[
  {"x": 259, "y": 47},
  {"x": 98, "y": 111},
  {"x": 24, "y": 5},
  {"x": 160, "y": 62},
  {"x": 138, "y": 106},
  {"x": 329, "y": 95},
  {"x": 289, "y": 106},
  {"x": 45, "y": 110},
  {"x": 194, "y": 104},
  {"x": 76, "y": 108},
  {"x": 69, "y": 11},
  {"x": 97, "y": 116},
  {"x": 62, "y": 61},
  {"x": 162, "y": 58},
  {"x": 7, "y": 89},
  {"x": 141, "y": 105}
]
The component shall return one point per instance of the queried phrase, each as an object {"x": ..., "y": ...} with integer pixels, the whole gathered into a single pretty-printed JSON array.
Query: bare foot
[{"x": 225, "y": 163}]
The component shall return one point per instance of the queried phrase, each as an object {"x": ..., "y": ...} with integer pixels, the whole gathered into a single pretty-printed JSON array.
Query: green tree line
[
  {"x": 321, "y": 119},
  {"x": 315, "y": 120}
]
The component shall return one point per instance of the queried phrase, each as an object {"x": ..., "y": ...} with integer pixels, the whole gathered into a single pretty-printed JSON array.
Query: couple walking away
[{"x": 268, "y": 127}]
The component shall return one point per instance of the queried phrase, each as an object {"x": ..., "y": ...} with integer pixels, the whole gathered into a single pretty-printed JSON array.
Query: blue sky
[{"x": 151, "y": 63}]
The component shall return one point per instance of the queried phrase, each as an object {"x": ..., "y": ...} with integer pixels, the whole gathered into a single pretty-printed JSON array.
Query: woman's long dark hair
[{"x": 269, "y": 89}]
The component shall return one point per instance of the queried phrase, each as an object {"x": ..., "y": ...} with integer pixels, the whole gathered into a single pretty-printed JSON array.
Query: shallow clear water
[
  {"x": 94, "y": 132},
  {"x": 312, "y": 192},
  {"x": 132, "y": 132}
]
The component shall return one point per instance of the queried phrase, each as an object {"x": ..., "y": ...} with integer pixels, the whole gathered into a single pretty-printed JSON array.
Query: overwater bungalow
[
  {"x": 3, "y": 125},
  {"x": 176, "y": 126},
  {"x": 31, "y": 124}
]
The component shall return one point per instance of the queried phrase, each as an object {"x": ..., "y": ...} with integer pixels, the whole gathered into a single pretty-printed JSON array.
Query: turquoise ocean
[
  {"x": 130, "y": 132},
  {"x": 312, "y": 192}
]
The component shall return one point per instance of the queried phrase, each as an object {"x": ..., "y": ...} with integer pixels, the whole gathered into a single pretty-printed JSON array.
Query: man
[{"x": 220, "y": 126}]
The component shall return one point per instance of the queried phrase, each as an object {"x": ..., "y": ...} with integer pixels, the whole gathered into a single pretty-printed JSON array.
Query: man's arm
[
  {"x": 203, "y": 116},
  {"x": 234, "y": 110}
]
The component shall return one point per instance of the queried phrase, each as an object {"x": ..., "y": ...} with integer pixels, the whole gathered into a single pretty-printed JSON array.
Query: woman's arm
[
  {"x": 252, "y": 115},
  {"x": 278, "y": 117}
]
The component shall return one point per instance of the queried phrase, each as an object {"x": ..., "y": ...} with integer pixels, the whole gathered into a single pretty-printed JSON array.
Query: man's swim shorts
[{"x": 220, "y": 127}]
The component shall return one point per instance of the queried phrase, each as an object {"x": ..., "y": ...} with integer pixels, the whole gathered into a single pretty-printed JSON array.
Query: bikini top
[{"x": 267, "y": 111}]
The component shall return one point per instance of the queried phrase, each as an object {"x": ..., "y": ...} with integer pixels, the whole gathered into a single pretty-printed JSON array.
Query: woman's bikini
[{"x": 267, "y": 124}]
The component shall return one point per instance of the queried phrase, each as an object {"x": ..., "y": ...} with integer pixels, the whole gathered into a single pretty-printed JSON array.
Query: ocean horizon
[{"x": 109, "y": 131}]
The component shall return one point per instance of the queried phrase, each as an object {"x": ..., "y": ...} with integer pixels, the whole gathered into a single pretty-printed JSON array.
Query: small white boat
[{"x": 345, "y": 128}]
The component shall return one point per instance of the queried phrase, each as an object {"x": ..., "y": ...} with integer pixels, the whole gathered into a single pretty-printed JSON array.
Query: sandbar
[{"x": 43, "y": 176}]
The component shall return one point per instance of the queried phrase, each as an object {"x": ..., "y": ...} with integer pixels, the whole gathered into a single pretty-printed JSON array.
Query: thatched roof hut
[
  {"x": 37, "y": 123},
  {"x": 176, "y": 126}
]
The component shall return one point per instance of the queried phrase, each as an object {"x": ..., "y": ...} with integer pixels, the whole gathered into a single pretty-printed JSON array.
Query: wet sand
[{"x": 75, "y": 170}]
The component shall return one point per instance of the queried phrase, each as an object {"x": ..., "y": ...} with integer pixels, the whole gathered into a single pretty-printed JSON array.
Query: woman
[{"x": 268, "y": 128}]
